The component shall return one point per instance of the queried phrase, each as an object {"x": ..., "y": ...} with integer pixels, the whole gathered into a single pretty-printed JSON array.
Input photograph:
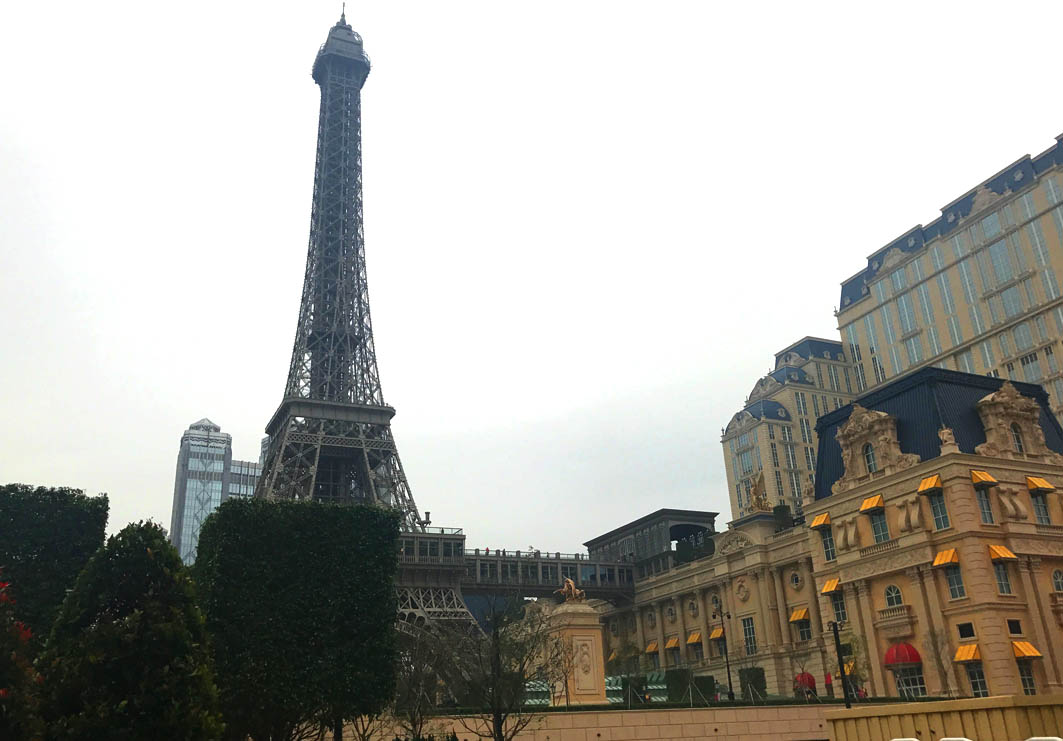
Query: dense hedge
[
  {"x": 300, "y": 607},
  {"x": 46, "y": 538},
  {"x": 127, "y": 657}
]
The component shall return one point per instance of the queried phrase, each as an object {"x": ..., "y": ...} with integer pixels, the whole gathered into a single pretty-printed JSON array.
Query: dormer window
[
  {"x": 1016, "y": 438},
  {"x": 869, "y": 458}
]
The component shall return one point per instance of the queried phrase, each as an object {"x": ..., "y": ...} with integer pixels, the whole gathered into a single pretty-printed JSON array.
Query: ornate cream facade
[
  {"x": 976, "y": 291},
  {"x": 769, "y": 448},
  {"x": 934, "y": 536}
]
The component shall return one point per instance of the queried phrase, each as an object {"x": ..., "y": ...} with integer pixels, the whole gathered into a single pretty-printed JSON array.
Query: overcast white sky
[{"x": 589, "y": 225}]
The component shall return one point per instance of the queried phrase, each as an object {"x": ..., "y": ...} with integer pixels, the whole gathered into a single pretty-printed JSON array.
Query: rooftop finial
[{"x": 343, "y": 14}]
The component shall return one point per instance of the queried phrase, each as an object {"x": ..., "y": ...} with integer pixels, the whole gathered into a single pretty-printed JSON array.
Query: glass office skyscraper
[{"x": 207, "y": 475}]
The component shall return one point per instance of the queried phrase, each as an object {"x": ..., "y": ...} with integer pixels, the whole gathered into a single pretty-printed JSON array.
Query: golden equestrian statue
[{"x": 570, "y": 592}]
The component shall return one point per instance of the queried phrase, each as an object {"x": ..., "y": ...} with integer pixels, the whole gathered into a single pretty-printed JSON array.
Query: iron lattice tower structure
[{"x": 330, "y": 439}]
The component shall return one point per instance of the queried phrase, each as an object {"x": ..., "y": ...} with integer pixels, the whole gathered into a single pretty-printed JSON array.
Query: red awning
[
  {"x": 902, "y": 653},
  {"x": 805, "y": 681}
]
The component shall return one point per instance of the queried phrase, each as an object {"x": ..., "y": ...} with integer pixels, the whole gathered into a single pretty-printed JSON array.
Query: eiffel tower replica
[{"x": 330, "y": 438}]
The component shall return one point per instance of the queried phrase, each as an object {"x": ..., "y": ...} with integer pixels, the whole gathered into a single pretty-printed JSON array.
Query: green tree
[
  {"x": 18, "y": 701},
  {"x": 127, "y": 657},
  {"x": 48, "y": 537},
  {"x": 300, "y": 606}
]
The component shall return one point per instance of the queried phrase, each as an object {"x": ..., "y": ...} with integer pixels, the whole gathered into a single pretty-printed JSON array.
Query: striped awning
[
  {"x": 651, "y": 647},
  {"x": 694, "y": 637},
  {"x": 672, "y": 642},
  {"x": 1001, "y": 553},
  {"x": 1036, "y": 483},
  {"x": 873, "y": 503},
  {"x": 832, "y": 585},
  {"x": 946, "y": 557},
  {"x": 716, "y": 634},
  {"x": 799, "y": 614},
  {"x": 982, "y": 478},
  {"x": 930, "y": 484},
  {"x": 1025, "y": 650},
  {"x": 820, "y": 520},
  {"x": 967, "y": 652}
]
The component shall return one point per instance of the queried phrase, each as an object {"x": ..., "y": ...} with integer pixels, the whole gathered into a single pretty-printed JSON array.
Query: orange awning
[
  {"x": 982, "y": 478},
  {"x": 1036, "y": 483},
  {"x": 946, "y": 557},
  {"x": 672, "y": 642},
  {"x": 651, "y": 647},
  {"x": 873, "y": 503},
  {"x": 612, "y": 655},
  {"x": 716, "y": 634},
  {"x": 799, "y": 614},
  {"x": 1025, "y": 650},
  {"x": 830, "y": 586},
  {"x": 694, "y": 637},
  {"x": 967, "y": 652},
  {"x": 820, "y": 520},
  {"x": 1000, "y": 553},
  {"x": 930, "y": 484}
]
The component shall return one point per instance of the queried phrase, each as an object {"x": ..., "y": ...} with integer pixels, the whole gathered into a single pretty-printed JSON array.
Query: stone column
[
  {"x": 863, "y": 607},
  {"x": 662, "y": 660},
  {"x": 771, "y": 628},
  {"x": 782, "y": 610},
  {"x": 922, "y": 617},
  {"x": 1037, "y": 617},
  {"x": 703, "y": 622},
  {"x": 813, "y": 603},
  {"x": 639, "y": 635},
  {"x": 681, "y": 618}
]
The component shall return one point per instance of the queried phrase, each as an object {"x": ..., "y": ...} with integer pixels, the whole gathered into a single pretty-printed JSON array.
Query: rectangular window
[
  {"x": 804, "y": 631},
  {"x": 910, "y": 681},
  {"x": 955, "y": 334},
  {"x": 987, "y": 355},
  {"x": 787, "y": 433},
  {"x": 1023, "y": 336},
  {"x": 946, "y": 293},
  {"x": 832, "y": 373},
  {"x": 1050, "y": 358},
  {"x": 965, "y": 362},
  {"x": 802, "y": 408},
  {"x": 1042, "y": 327},
  {"x": 906, "y": 313},
  {"x": 959, "y": 245},
  {"x": 810, "y": 460},
  {"x": 1012, "y": 300},
  {"x": 994, "y": 312},
  {"x": 939, "y": 510},
  {"x": 771, "y": 432},
  {"x": 1026, "y": 207},
  {"x": 895, "y": 358},
  {"x": 1049, "y": 284},
  {"x": 1052, "y": 190},
  {"x": 998, "y": 256},
  {"x": 837, "y": 602},
  {"x": 935, "y": 257},
  {"x": 916, "y": 266},
  {"x": 778, "y": 483},
  {"x": 1003, "y": 580},
  {"x": 991, "y": 225},
  {"x": 815, "y": 405},
  {"x": 925, "y": 306},
  {"x": 955, "y": 581},
  {"x": 897, "y": 278},
  {"x": 749, "y": 634},
  {"x": 825, "y": 534},
  {"x": 932, "y": 338},
  {"x": 967, "y": 282},
  {"x": 1040, "y": 508},
  {"x": 791, "y": 459},
  {"x": 976, "y": 319},
  {"x": 1036, "y": 238},
  {"x": 806, "y": 431},
  {"x": 976, "y": 677},
  {"x": 774, "y": 455},
  {"x": 1029, "y": 687},
  {"x": 879, "y": 528},
  {"x": 880, "y": 372},
  {"x": 887, "y": 325},
  {"x": 880, "y": 291},
  {"x": 1031, "y": 369},
  {"x": 914, "y": 348},
  {"x": 1005, "y": 346},
  {"x": 984, "y": 507}
]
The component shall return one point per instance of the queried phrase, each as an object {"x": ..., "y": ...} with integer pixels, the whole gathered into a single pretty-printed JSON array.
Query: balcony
[
  {"x": 873, "y": 550},
  {"x": 896, "y": 622},
  {"x": 1049, "y": 529}
]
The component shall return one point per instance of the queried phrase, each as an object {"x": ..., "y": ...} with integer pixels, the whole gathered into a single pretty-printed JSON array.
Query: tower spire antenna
[{"x": 343, "y": 14}]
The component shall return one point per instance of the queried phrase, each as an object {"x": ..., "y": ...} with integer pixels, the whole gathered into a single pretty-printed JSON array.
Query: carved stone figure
[
  {"x": 1006, "y": 411},
  {"x": 758, "y": 500},
  {"x": 570, "y": 592}
]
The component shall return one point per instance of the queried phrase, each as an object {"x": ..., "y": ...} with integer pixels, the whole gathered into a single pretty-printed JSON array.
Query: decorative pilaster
[
  {"x": 1037, "y": 616},
  {"x": 876, "y": 677},
  {"x": 781, "y": 610}
]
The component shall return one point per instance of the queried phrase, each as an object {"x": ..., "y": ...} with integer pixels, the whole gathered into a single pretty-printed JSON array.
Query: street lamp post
[
  {"x": 841, "y": 663},
  {"x": 726, "y": 653}
]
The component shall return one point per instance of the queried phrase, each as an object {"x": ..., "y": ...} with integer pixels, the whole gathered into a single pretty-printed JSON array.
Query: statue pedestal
[{"x": 578, "y": 626}]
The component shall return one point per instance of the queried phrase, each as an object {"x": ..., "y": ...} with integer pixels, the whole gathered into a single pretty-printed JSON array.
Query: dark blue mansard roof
[{"x": 923, "y": 402}]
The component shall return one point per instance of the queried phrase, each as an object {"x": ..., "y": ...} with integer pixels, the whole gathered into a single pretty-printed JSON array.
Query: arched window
[
  {"x": 1016, "y": 438},
  {"x": 869, "y": 458},
  {"x": 893, "y": 596},
  {"x": 1057, "y": 580}
]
